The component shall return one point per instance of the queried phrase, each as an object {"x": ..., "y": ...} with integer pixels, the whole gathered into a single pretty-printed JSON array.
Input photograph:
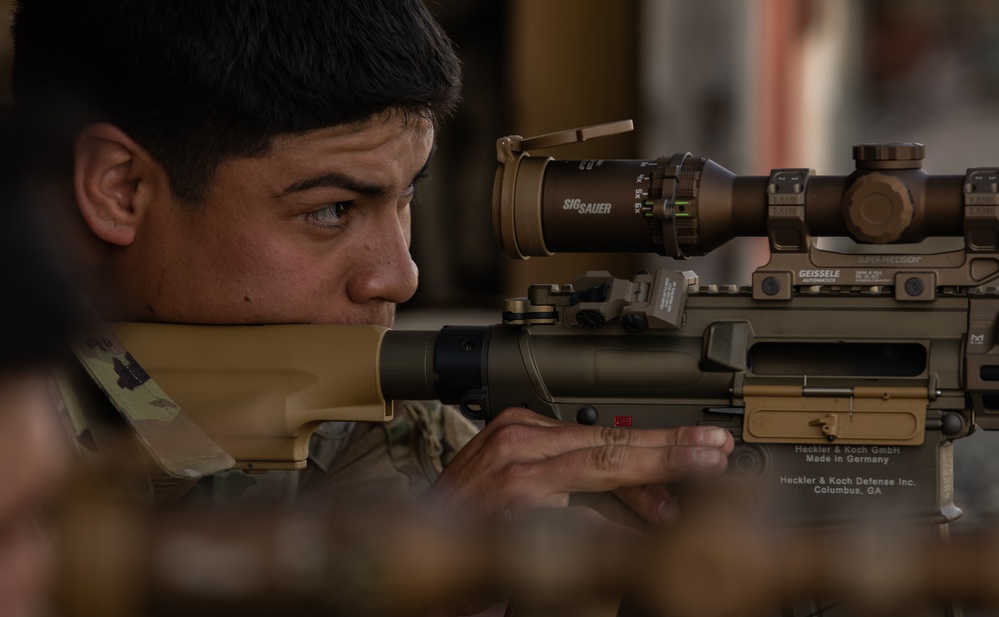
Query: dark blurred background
[{"x": 751, "y": 84}]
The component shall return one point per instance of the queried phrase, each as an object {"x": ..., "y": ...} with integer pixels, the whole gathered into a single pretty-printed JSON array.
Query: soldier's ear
[{"x": 114, "y": 181}]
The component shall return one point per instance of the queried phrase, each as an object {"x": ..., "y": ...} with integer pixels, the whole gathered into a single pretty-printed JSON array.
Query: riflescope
[{"x": 685, "y": 205}]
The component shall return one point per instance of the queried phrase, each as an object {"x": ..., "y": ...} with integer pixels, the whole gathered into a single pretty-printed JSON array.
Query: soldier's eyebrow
[
  {"x": 338, "y": 180},
  {"x": 335, "y": 179}
]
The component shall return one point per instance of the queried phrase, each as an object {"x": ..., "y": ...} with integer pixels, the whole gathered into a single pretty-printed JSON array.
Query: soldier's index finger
[
  {"x": 702, "y": 436},
  {"x": 605, "y": 468}
]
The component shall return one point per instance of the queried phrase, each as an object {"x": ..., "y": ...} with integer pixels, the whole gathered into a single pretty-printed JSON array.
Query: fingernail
[
  {"x": 668, "y": 512},
  {"x": 714, "y": 437},
  {"x": 707, "y": 457}
]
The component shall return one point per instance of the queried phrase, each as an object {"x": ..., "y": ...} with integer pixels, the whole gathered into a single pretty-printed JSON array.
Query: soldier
[{"x": 254, "y": 161}]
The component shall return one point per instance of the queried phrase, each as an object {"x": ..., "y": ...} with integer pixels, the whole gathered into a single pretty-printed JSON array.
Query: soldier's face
[
  {"x": 34, "y": 459},
  {"x": 315, "y": 231}
]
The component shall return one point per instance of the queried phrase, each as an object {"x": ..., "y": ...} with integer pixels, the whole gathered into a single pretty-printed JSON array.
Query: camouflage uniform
[
  {"x": 400, "y": 457},
  {"x": 106, "y": 390}
]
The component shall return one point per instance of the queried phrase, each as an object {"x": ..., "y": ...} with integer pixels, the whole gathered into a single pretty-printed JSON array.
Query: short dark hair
[{"x": 196, "y": 82}]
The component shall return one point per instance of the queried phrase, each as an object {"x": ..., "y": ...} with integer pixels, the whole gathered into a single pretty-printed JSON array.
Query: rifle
[{"x": 845, "y": 375}]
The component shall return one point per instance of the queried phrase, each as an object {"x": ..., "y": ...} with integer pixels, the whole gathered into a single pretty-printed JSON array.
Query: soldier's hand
[{"x": 523, "y": 460}]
